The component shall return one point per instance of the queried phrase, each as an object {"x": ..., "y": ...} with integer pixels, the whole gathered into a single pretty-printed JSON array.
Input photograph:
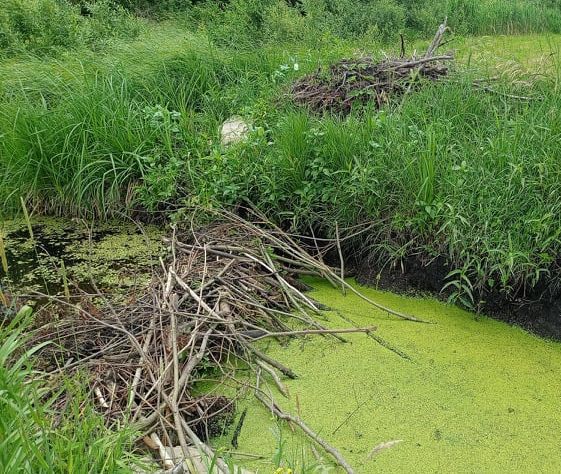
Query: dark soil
[{"x": 539, "y": 312}]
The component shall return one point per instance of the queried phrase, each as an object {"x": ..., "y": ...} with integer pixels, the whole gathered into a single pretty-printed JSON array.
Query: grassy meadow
[{"x": 113, "y": 108}]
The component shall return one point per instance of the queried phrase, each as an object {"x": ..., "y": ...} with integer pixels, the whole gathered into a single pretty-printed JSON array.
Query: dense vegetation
[
  {"x": 111, "y": 108},
  {"x": 51, "y": 26},
  {"x": 120, "y": 126}
]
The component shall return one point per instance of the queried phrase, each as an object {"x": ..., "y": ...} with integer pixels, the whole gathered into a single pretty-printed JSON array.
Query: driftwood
[{"x": 223, "y": 287}]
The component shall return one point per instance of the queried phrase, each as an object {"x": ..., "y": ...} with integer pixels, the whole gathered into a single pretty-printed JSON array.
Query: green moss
[{"x": 478, "y": 395}]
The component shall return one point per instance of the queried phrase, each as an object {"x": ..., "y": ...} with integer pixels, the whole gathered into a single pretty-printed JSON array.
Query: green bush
[
  {"x": 247, "y": 23},
  {"x": 37, "y": 25},
  {"x": 48, "y": 26},
  {"x": 355, "y": 18}
]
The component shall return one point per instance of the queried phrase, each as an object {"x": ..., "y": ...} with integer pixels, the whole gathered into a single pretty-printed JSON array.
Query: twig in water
[
  {"x": 382, "y": 446},
  {"x": 238, "y": 429},
  {"x": 273, "y": 407}
]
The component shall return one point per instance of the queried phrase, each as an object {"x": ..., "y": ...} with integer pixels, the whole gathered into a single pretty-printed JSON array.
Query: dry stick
[
  {"x": 325, "y": 271},
  {"x": 349, "y": 416},
  {"x": 205, "y": 269},
  {"x": 173, "y": 400},
  {"x": 157, "y": 383},
  {"x": 272, "y": 362},
  {"x": 215, "y": 278},
  {"x": 418, "y": 62},
  {"x": 504, "y": 94},
  {"x": 282, "y": 388},
  {"x": 315, "y": 331},
  {"x": 196, "y": 297},
  {"x": 284, "y": 313},
  {"x": 121, "y": 328},
  {"x": 270, "y": 267},
  {"x": 389, "y": 346},
  {"x": 435, "y": 44},
  {"x": 138, "y": 371},
  {"x": 382, "y": 446},
  {"x": 377, "y": 338},
  {"x": 204, "y": 448},
  {"x": 168, "y": 463},
  {"x": 319, "y": 255},
  {"x": 273, "y": 407},
  {"x": 384, "y": 308},
  {"x": 329, "y": 271},
  {"x": 218, "y": 253},
  {"x": 340, "y": 257},
  {"x": 193, "y": 361},
  {"x": 146, "y": 422},
  {"x": 289, "y": 289},
  {"x": 238, "y": 429}
]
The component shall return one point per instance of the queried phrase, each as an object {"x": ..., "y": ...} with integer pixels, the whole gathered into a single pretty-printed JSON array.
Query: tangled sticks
[
  {"x": 223, "y": 287},
  {"x": 364, "y": 80}
]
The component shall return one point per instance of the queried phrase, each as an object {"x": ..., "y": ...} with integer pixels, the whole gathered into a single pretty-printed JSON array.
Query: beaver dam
[{"x": 227, "y": 361}]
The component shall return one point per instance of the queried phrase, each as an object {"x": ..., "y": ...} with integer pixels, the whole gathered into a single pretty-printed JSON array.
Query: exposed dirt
[{"x": 539, "y": 312}]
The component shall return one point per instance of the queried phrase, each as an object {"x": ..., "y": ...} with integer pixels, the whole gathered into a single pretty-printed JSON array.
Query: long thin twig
[{"x": 274, "y": 408}]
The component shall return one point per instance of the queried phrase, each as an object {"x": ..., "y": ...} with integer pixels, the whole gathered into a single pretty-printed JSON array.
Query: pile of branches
[
  {"x": 223, "y": 287},
  {"x": 366, "y": 80}
]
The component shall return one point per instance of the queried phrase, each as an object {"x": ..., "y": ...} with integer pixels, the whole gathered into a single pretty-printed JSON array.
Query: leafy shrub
[
  {"x": 47, "y": 26},
  {"x": 239, "y": 24},
  {"x": 283, "y": 23},
  {"x": 355, "y": 18},
  {"x": 247, "y": 23},
  {"x": 37, "y": 25},
  {"x": 106, "y": 21}
]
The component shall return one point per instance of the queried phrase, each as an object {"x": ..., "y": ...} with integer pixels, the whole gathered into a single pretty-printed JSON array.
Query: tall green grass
[
  {"x": 450, "y": 171},
  {"x": 454, "y": 172},
  {"x": 93, "y": 142}
]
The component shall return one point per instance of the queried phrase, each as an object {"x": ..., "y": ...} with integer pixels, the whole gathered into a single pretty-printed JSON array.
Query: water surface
[{"x": 477, "y": 395}]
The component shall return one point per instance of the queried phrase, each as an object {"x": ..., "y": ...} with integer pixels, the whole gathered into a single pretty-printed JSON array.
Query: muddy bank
[{"x": 538, "y": 312}]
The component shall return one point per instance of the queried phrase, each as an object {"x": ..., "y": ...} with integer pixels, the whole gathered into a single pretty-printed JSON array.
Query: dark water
[{"x": 114, "y": 255}]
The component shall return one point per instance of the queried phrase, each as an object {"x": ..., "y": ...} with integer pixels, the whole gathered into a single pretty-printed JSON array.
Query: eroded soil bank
[
  {"x": 537, "y": 310},
  {"x": 477, "y": 395}
]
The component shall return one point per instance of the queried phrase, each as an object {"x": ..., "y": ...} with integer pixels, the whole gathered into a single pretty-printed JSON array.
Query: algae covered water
[
  {"x": 465, "y": 394},
  {"x": 476, "y": 394},
  {"x": 47, "y": 253}
]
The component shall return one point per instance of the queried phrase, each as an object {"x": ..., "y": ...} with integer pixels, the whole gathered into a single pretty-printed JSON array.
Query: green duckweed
[{"x": 477, "y": 395}]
